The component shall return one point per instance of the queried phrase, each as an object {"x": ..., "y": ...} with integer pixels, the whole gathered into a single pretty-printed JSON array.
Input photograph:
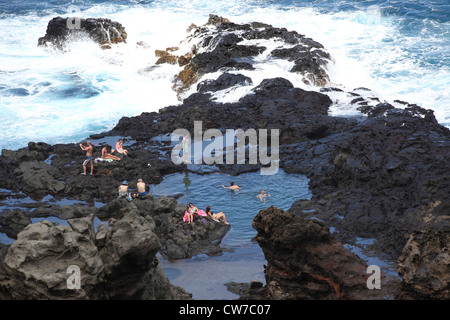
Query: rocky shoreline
[{"x": 383, "y": 176}]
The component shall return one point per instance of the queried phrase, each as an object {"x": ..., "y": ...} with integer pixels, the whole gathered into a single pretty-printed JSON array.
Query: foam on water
[
  {"x": 64, "y": 97},
  {"x": 54, "y": 97}
]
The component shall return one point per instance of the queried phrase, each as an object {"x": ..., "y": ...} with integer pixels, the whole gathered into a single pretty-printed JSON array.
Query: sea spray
[{"x": 53, "y": 97}]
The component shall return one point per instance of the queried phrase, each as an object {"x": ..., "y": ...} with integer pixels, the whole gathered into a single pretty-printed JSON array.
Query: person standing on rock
[{"x": 89, "y": 150}]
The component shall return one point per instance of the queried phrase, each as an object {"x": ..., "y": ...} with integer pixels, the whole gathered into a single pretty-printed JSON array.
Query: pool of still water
[{"x": 203, "y": 276}]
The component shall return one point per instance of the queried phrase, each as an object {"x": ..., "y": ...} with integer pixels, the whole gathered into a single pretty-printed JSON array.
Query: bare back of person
[{"x": 141, "y": 187}]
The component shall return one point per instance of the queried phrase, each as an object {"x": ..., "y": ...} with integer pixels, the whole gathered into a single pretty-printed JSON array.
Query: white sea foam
[{"x": 64, "y": 97}]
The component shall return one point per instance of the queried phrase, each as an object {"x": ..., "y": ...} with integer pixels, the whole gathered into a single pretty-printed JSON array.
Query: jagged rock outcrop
[
  {"x": 102, "y": 31},
  {"x": 424, "y": 266},
  {"x": 383, "y": 179},
  {"x": 116, "y": 262},
  {"x": 12, "y": 222},
  {"x": 178, "y": 239},
  {"x": 305, "y": 262},
  {"x": 221, "y": 45}
]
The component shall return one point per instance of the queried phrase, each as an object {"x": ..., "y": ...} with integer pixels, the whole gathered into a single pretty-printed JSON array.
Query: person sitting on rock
[
  {"x": 141, "y": 187},
  {"x": 123, "y": 189},
  {"x": 191, "y": 210},
  {"x": 106, "y": 155},
  {"x": 119, "y": 147},
  {"x": 189, "y": 213},
  {"x": 216, "y": 216}
]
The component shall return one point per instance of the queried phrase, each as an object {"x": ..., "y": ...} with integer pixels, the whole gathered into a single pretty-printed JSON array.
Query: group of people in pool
[
  {"x": 219, "y": 216},
  {"x": 261, "y": 195}
]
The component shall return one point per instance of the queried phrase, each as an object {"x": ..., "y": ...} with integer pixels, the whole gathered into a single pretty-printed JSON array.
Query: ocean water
[{"x": 399, "y": 49}]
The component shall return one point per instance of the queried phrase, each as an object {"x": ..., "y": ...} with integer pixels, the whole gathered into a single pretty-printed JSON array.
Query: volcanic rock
[
  {"x": 425, "y": 266},
  {"x": 220, "y": 49},
  {"x": 102, "y": 31},
  {"x": 178, "y": 239},
  {"x": 121, "y": 266},
  {"x": 304, "y": 262}
]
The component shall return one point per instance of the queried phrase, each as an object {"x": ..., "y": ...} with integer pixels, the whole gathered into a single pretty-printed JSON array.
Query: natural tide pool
[{"x": 203, "y": 276}]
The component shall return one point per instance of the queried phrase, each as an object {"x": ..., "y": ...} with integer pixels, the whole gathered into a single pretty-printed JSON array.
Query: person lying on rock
[
  {"x": 216, "y": 216},
  {"x": 106, "y": 155}
]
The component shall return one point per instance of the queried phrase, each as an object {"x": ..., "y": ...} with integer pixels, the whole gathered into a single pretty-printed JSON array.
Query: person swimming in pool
[
  {"x": 232, "y": 186},
  {"x": 216, "y": 216},
  {"x": 262, "y": 196}
]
